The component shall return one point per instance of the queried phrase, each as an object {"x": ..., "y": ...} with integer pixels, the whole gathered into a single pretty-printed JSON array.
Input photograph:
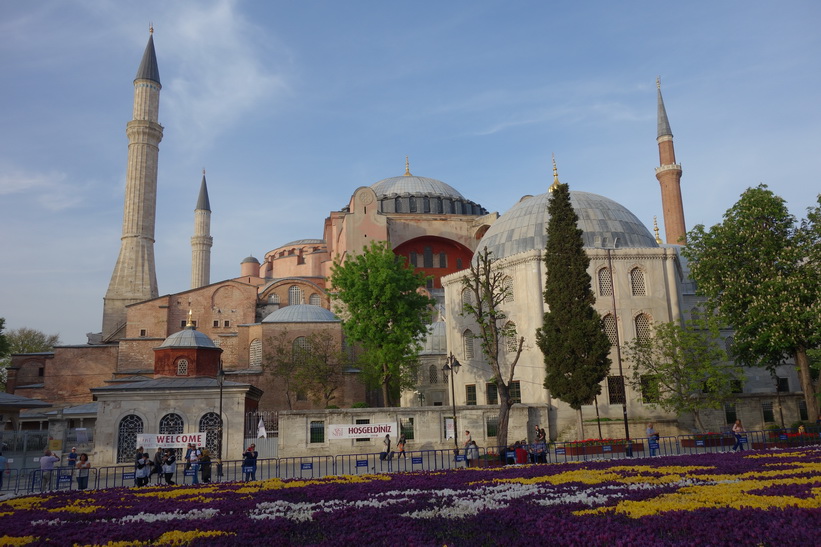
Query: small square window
[
  {"x": 730, "y": 415},
  {"x": 216, "y": 324},
  {"x": 142, "y": 332},
  {"x": 226, "y": 323},
  {"x": 182, "y": 324},
  {"x": 767, "y": 412},
  {"x": 783, "y": 384}
]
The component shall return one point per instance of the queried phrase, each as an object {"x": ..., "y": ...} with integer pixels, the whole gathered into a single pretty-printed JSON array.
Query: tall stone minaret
[
  {"x": 201, "y": 241},
  {"x": 134, "y": 278},
  {"x": 669, "y": 175}
]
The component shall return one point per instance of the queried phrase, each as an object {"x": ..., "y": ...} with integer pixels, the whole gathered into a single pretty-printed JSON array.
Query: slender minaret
[
  {"x": 669, "y": 175},
  {"x": 134, "y": 278},
  {"x": 202, "y": 241}
]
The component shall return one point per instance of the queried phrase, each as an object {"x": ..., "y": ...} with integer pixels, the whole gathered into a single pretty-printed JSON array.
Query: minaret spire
[
  {"x": 556, "y": 182},
  {"x": 669, "y": 176},
  {"x": 202, "y": 241},
  {"x": 407, "y": 167},
  {"x": 134, "y": 278}
]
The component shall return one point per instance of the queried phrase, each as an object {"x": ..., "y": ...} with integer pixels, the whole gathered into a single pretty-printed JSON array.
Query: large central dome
[
  {"x": 603, "y": 221},
  {"x": 412, "y": 194},
  {"x": 417, "y": 186}
]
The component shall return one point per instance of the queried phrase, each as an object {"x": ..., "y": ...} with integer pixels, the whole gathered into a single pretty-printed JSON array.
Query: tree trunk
[
  {"x": 807, "y": 386},
  {"x": 580, "y": 424},
  {"x": 504, "y": 419},
  {"x": 699, "y": 425}
]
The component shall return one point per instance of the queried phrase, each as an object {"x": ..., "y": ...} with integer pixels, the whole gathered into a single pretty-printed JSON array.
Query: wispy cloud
[{"x": 50, "y": 190}]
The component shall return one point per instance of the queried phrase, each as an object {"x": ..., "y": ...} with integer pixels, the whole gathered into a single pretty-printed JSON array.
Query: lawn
[{"x": 768, "y": 497}]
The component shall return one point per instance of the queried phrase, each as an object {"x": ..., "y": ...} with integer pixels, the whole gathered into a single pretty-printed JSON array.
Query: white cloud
[{"x": 50, "y": 190}]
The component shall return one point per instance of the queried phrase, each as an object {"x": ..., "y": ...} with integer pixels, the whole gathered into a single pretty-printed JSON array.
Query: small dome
[
  {"x": 249, "y": 260},
  {"x": 603, "y": 221},
  {"x": 409, "y": 184},
  {"x": 301, "y": 313},
  {"x": 189, "y": 337},
  {"x": 436, "y": 341}
]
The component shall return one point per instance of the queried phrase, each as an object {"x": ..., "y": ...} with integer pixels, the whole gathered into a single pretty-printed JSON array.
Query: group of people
[
  {"x": 164, "y": 465},
  {"x": 387, "y": 453}
]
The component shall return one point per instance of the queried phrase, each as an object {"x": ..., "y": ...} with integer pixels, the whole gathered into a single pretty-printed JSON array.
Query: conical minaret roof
[
  {"x": 203, "y": 204},
  {"x": 663, "y": 123},
  {"x": 148, "y": 66}
]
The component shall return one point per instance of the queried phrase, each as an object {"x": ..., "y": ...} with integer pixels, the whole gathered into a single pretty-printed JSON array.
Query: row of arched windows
[
  {"x": 296, "y": 296},
  {"x": 641, "y": 322},
  {"x": 170, "y": 424},
  {"x": 637, "y": 285},
  {"x": 510, "y": 342}
]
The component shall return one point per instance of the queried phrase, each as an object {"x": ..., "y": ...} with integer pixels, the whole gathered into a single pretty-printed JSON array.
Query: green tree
[
  {"x": 682, "y": 369},
  {"x": 386, "y": 313},
  {"x": 280, "y": 362},
  {"x": 572, "y": 338},
  {"x": 497, "y": 336},
  {"x": 23, "y": 340},
  {"x": 321, "y": 366},
  {"x": 4, "y": 341},
  {"x": 761, "y": 272}
]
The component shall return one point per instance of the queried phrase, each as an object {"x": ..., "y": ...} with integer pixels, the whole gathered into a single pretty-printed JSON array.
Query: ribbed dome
[
  {"x": 189, "y": 337},
  {"x": 603, "y": 221},
  {"x": 436, "y": 341},
  {"x": 420, "y": 186},
  {"x": 301, "y": 313}
]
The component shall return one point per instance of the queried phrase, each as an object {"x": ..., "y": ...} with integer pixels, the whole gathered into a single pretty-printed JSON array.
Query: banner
[
  {"x": 176, "y": 440},
  {"x": 362, "y": 431}
]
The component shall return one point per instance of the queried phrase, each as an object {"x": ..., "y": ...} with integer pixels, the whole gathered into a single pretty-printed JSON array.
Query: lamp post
[
  {"x": 220, "y": 381},
  {"x": 421, "y": 397},
  {"x": 452, "y": 365},
  {"x": 629, "y": 449}
]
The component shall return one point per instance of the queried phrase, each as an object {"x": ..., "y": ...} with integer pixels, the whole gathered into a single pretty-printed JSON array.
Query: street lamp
[
  {"x": 220, "y": 381},
  {"x": 629, "y": 449},
  {"x": 451, "y": 364},
  {"x": 421, "y": 398}
]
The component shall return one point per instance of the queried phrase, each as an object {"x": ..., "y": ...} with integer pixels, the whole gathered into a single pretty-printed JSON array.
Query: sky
[{"x": 291, "y": 106}]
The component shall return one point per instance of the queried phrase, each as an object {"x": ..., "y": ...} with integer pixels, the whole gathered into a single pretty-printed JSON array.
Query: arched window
[
  {"x": 507, "y": 286},
  {"x": 127, "y": 438},
  {"x": 511, "y": 342},
  {"x": 637, "y": 282},
  {"x": 255, "y": 353},
  {"x": 426, "y": 204},
  {"x": 182, "y": 367},
  {"x": 433, "y": 374},
  {"x": 211, "y": 424},
  {"x": 605, "y": 282},
  {"x": 172, "y": 424},
  {"x": 467, "y": 297},
  {"x": 412, "y": 204},
  {"x": 295, "y": 296},
  {"x": 299, "y": 347},
  {"x": 467, "y": 343},
  {"x": 438, "y": 204},
  {"x": 610, "y": 329},
  {"x": 643, "y": 331},
  {"x": 728, "y": 348},
  {"x": 273, "y": 299},
  {"x": 315, "y": 300}
]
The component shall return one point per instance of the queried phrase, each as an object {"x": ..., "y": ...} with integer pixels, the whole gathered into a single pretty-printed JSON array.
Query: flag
[{"x": 261, "y": 433}]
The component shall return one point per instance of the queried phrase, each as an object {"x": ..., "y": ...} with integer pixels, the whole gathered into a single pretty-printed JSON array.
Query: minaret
[
  {"x": 201, "y": 241},
  {"x": 669, "y": 175},
  {"x": 134, "y": 278}
]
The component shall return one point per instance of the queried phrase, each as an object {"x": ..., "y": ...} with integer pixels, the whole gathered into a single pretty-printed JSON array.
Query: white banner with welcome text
[
  {"x": 361, "y": 431},
  {"x": 175, "y": 440}
]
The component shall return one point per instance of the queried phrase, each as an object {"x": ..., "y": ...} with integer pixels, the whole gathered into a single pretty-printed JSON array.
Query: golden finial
[
  {"x": 150, "y": 28},
  {"x": 407, "y": 167},
  {"x": 190, "y": 323},
  {"x": 556, "y": 182},
  {"x": 656, "y": 229}
]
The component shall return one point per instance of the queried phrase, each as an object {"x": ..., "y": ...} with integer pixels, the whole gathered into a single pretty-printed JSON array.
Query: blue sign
[
  {"x": 699, "y": 443},
  {"x": 460, "y": 458},
  {"x": 606, "y": 448},
  {"x": 128, "y": 476},
  {"x": 654, "y": 445},
  {"x": 560, "y": 451},
  {"x": 416, "y": 460},
  {"x": 362, "y": 463},
  {"x": 64, "y": 478},
  {"x": 782, "y": 437},
  {"x": 190, "y": 473},
  {"x": 306, "y": 466}
]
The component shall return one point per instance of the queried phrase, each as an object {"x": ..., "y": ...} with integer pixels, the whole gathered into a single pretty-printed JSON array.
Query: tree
[
  {"x": 682, "y": 369},
  {"x": 320, "y": 366},
  {"x": 4, "y": 341},
  {"x": 385, "y": 311},
  {"x": 279, "y": 361},
  {"x": 761, "y": 273},
  {"x": 23, "y": 340},
  {"x": 488, "y": 290},
  {"x": 572, "y": 338}
]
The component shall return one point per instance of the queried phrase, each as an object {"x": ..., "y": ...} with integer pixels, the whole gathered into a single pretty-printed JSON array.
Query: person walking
[
  {"x": 47, "y": 462},
  {"x": 83, "y": 466},
  {"x": 205, "y": 465},
  {"x": 738, "y": 431},
  {"x": 400, "y": 445},
  {"x": 249, "y": 463}
]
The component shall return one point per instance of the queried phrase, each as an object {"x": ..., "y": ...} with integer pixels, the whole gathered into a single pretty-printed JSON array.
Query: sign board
[
  {"x": 175, "y": 440},
  {"x": 307, "y": 466},
  {"x": 362, "y": 463},
  {"x": 450, "y": 428},
  {"x": 362, "y": 431},
  {"x": 606, "y": 448},
  {"x": 416, "y": 460}
]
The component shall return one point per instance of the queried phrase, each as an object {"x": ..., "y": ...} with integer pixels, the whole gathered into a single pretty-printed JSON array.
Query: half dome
[
  {"x": 301, "y": 313},
  {"x": 602, "y": 221}
]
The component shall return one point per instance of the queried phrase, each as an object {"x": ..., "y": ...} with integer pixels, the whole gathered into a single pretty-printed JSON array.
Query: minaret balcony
[{"x": 668, "y": 167}]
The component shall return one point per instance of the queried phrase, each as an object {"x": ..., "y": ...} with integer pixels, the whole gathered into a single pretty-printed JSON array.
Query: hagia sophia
[{"x": 195, "y": 359}]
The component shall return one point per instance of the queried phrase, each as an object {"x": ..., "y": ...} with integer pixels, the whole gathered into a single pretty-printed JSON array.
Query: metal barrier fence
[{"x": 29, "y": 481}]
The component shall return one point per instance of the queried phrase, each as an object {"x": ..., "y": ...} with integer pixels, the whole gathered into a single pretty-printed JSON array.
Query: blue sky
[{"x": 290, "y": 106}]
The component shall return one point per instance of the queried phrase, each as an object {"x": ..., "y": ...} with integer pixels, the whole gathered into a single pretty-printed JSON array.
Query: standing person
[
  {"x": 169, "y": 465},
  {"x": 652, "y": 438},
  {"x": 72, "y": 459},
  {"x": 400, "y": 444},
  {"x": 143, "y": 470},
  {"x": 468, "y": 439},
  {"x": 188, "y": 456},
  {"x": 83, "y": 466},
  {"x": 205, "y": 465},
  {"x": 386, "y": 442},
  {"x": 249, "y": 463},
  {"x": 158, "y": 458},
  {"x": 4, "y": 468},
  {"x": 47, "y": 462},
  {"x": 194, "y": 463},
  {"x": 472, "y": 454},
  {"x": 738, "y": 431}
]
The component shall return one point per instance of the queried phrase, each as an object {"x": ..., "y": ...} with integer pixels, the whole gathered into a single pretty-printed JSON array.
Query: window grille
[
  {"x": 610, "y": 329},
  {"x": 507, "y": 286},
  {"x": 299, "y": 348},
  {"x": 730, "y": 415},
  {"x": 767, "y": 412},
  {"x": 443, "y": 260},
  {"x": 397, "y": 205},
  {"x": 615, "y": 390},
  {"x": 127, "y": 438},
  {"x": 412, "y": 258},
  {"x": 315, "y": 300},
  {"x": 210, "y": 423},
  {"x": 406, "y": 428},
  {"x": 642, "y": 322},
  {"x": 637, "y": 282},
  {"x": 467, "y": 341},
  {"x": 428, "y": 257},
  {"x": 515, "y": 391},
  {"x": 182, "y": 367},
  {"x": 511, "y": 343},
  {"x": 433, "y": 374},
  {"x": 470, "y": 394},
  {"x": 295, "y": 296},
  {"x": 605, "y": 282},
  {"x": 491, "y": 426},
  {"x": 412, "y": 204},
  {"x": 782, "y": 384},
  {"x": 467, "y": 297},
  {"x": 273, "y": 299},
  {"x": 172, "y": 424},
  {"x": 650, "y": 388},
  {"x": 317, "y": 432},
  {"x": 802, "y": 410},
  {"x": 492, "y": 394},
  {"x": 255, "y": 353},
  {"x": 426, "y": 204}
]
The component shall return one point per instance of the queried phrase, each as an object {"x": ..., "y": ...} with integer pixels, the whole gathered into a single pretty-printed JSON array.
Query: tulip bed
[{"x": 746, "y": 498}]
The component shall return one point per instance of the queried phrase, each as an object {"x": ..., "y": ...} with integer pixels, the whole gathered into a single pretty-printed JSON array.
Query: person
[
  {"x": 188, "y": 456},
  {"x": 205, "y": 465},
  {"x": 47, "y": 462},
  {"x": 4, "y": 468},
  {"x": 738, "y": 431},
  {"x": 520, "y": 451},
  {"x": 169, "y": 465},
  {"x": 386, "y": 448},
  {"x": 540, "y": 434},
  {"x": 194, "y": 463},
  {"x": 801, "y": 429},
  {"x": 652, "y": 438},
  {"x": 468, "y": 439},
  {"x": 143, "y": 470},
  {"x": 249, "y": 463},
  {"x": 472, "y": 454},
  {"x": 72, "y": 459},
  {"x": 157, "y": 467},
  {"x": 400, "y": 444},
  {"x": 83, "y": 466}
]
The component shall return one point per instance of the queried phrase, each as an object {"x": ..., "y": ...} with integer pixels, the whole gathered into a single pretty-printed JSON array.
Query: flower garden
[{"x": 747, "y": 498}]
